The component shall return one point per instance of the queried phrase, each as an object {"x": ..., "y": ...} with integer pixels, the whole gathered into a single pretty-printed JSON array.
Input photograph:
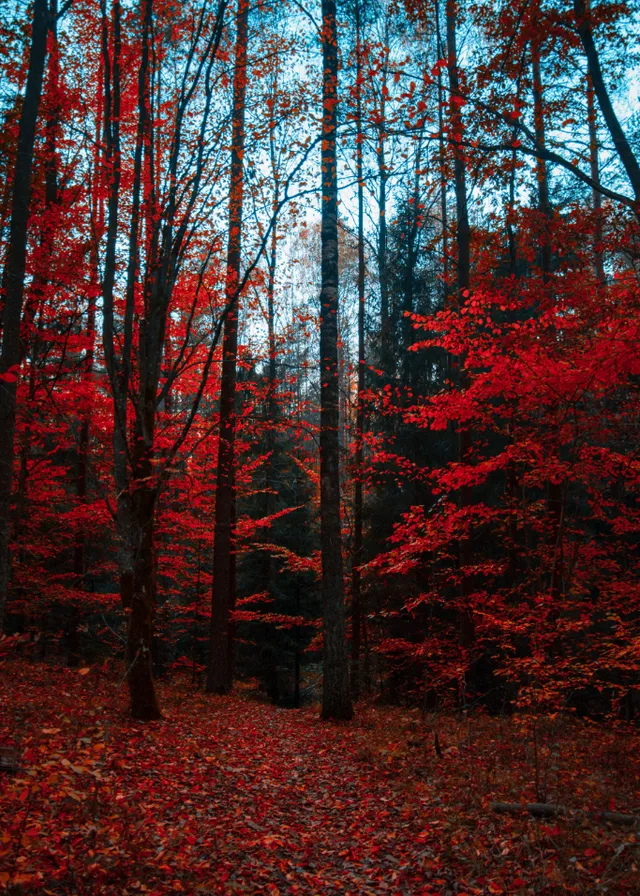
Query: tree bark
[
  {"x": 622, "y": 146},
  {"x": 555, "y": 490},
  {"x": 410, "y": 369},
  {"x": 33, "y": 340},
  {"x": 142, "y": 486},
  {"x": 82, "y": 468},
  {"x": 134, "y": 472},
  {"x": 442, "y": 165},
  {"x": 13, "y": 281},
  {"x": 272, "y": 403},
  {"x": 386, "y": 354},
  {"x": 336, "y": 697},
  {"x": 466, "y": 624},
  {"x": 596, "y": 196},
  {"x": 542, "y": 177},
  {"x": 358, "y": 498},
  {"x": 141, "y": 609},
  {"x": 219, "y": 672}
]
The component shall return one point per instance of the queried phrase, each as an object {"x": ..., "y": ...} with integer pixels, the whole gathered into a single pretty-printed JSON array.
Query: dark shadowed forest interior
[{"x": 320, "y": 447}]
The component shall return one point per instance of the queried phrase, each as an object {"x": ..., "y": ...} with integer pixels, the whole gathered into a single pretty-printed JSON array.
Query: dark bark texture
[
  {"x": 466, "y": 632},
  {"x": 13, "y": 281},
  {"x": 220, "y": 669},
  {"x": 336, "y": 696}
]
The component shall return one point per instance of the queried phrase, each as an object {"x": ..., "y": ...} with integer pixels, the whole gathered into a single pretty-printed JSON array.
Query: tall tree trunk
[
  {"x": 133, "y": 465},
  {"x": 466, "y": 625},
  {"x": 596, "y": 196},
  {"x": 79, "y": 561},
  {"x": 143, "y": 489},
  {"x": 542, "y": 176},
  {"x": 112, "y": 177},
  {"x": 142, "y": 596},
  {"x": 386, "y": 353},
  {"x": 13, "y": 281},
  {"x": 356, "y": 559},
  {"x": 336, "y": 697},
  {"x": 512, "y": 244},
  {"x": 272, "y": 259},
  {"x": 442, "y": 165},
  {"x": 33, "y": 340},
  {"x": 410, "y": 370},
  {"x": 555, "y": 490},
  {"x": 620, "y": 142},
  {"x": 220, "y": 673}
]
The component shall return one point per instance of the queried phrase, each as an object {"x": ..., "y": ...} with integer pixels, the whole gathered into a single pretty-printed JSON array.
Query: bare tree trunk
[
  {"x": 79, "y": 561},
  {"x": 138, "y": 656},
  {"x": 511, "y": 235},
  {"x": 112, "y": 176},
  {"x": 542, "y": 177},
  {"x": 356, "y": 559},
  {"x": 13, "y": 282},
  {"x": 554, "y": 489},
  {"x": 596, "y": 196},
  {"x": 272, "y": 259},
  {"x": 82, "y": 471},
  {"x": 143, "y": 490},
  {"x": 220, "y": 673},
  {"x": 32, "y": 341},
  {"x": 336, "y": 698},
  {"x": 410, "y": 370},
  {"x": 466, "y": 630},
  {"x": 622, "y": 146},
  {"x": 442, "y": 162},
  {"x": 386, "y": 354}
]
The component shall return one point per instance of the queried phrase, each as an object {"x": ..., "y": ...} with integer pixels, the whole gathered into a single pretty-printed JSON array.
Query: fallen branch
[{"x": 550, "y": 810}]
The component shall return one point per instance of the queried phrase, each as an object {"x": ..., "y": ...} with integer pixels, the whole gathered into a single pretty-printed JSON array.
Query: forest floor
[{"x": 234, "y": 796}]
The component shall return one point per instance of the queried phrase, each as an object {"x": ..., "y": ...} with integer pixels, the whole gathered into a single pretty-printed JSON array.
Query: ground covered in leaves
[{"x": 233, "y": 796}]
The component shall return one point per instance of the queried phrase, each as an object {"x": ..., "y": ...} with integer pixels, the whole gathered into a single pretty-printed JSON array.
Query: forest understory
[
  {"x": 232, "y": 795},
  {"x": 319, "y": 447}
]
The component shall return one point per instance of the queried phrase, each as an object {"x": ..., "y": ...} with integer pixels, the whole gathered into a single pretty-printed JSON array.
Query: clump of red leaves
[{"x": 232, "y": 796}]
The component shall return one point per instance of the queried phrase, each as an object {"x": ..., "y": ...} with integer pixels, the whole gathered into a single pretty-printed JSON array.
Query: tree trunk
[
  {"x": 13, "y": 281},
  {"x": 410, "y": 369},
  {"x": 336, "y": 698},
  {"x": 554, "y": 489},
  {"x": 622, "y": 146},
  {"x": 442, "y": 165},
  {"x": 466, "y": 625},
  {"x": 596, "y": 195},
  {"x": 386, "y": 354},
  {"x": 79, "y": 562},
  {"x": 82, "y": 467},
  {"x": 220, "y": 673},
  {"x": 271, "y": 404},
  {"x": 138, "y": 658},
  {"x": 139, "y": 513},
  {"x": 356, "y": 559},
  {"x": 542, "y": 177}
]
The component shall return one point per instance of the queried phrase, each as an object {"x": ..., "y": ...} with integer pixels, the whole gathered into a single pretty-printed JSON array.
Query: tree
[
  {"x": 336, "y": 698},
  {"x": 220, "y": 669},
  {"x": 463, "y": 267},
  {"x": 134, "y": 357},
  {"x": 357, "y": 621},
  {"x": 14, "y": 280}
]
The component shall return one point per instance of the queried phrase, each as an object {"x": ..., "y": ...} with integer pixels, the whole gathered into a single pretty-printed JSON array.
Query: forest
[{"x": 320, "y": 447}]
